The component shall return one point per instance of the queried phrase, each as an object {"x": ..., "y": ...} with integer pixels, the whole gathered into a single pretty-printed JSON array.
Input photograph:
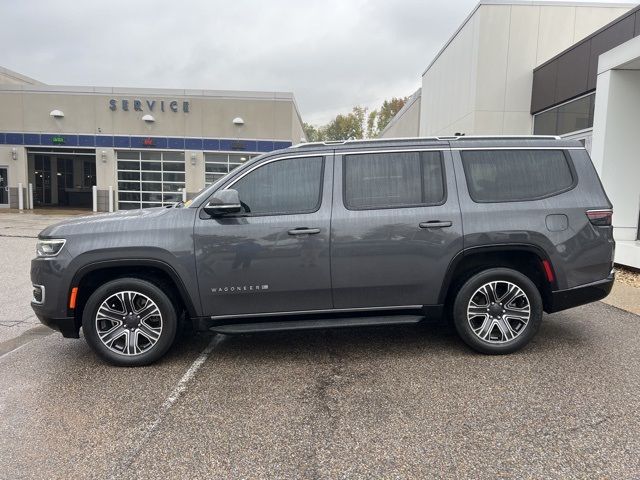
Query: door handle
[
  {"x": 304, "y": 231},
  {"x": 436, "y": 224}
]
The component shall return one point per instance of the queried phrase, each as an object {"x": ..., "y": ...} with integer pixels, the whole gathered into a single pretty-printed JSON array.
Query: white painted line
[{"x": 173, "y": 397}]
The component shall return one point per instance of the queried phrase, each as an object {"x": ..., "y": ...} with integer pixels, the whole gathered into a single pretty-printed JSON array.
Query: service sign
[{"x": 145, "y": 105}]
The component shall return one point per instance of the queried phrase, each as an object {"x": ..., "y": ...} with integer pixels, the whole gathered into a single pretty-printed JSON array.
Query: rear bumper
[{"x": 573, "y": 297}]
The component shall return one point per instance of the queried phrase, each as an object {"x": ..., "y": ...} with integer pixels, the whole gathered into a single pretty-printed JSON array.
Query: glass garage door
[
  {"x": 218, "y": 164},
  {"x": 149, "y": 178}
]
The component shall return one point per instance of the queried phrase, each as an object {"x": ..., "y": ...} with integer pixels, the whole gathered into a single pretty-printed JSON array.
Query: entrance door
[
  {"x": 42, "y": 183},
  {"x": 4, "y": 187},
  {"x": 274, "y": 256}
]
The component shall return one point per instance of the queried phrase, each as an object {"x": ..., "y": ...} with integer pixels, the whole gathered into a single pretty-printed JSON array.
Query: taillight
[{"x": 600, "y": 218}]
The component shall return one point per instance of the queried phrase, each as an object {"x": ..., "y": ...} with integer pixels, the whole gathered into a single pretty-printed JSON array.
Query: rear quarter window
[{"x": 516, "y": 175}]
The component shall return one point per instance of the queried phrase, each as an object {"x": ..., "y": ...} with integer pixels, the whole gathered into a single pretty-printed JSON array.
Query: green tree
[
  {"x": 312, "y": 133},
  {"x": 357, "y": 124},
  {"x": 379, "y": 119},
  {"x": 344, "y": 127}
]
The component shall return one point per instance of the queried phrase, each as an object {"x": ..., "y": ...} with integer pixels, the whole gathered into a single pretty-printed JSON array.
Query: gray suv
[{"x": 489, "y": 232}]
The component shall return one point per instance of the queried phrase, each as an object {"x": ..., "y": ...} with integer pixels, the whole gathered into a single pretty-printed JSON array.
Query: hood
[{"x": 104, "y": 222}]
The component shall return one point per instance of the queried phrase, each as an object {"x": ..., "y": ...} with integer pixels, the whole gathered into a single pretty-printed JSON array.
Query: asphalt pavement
[{"x": 401, "y": 402}]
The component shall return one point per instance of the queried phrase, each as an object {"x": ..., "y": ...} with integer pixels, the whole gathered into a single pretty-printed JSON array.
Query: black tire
[
  {"x": 167, "y": 320},
  {"x": 498, "y": 343}
]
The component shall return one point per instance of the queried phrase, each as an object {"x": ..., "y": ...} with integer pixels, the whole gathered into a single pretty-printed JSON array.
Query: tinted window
[
  {"x": 379, "y": 180},
  {"x": 512, "y": 175},
  {"x": 284, "y": 186},
  {"x": 571, "y": 117}
]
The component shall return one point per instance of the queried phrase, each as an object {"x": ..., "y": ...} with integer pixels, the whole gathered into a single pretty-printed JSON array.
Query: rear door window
[
  {"x": 393, "y": 179},
  {"x": 516, "y": 175}
]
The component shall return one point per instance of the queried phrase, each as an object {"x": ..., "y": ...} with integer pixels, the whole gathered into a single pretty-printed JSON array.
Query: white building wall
[
  {"x": 615, "y": 144},
  {"x": 480, "y": 83},
  {"x": 406, "y": 122},
  {"x": 448, "y": 87}
]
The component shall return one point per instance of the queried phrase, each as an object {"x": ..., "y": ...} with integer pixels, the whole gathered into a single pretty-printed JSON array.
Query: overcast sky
[{"x": 332, "y": 54}]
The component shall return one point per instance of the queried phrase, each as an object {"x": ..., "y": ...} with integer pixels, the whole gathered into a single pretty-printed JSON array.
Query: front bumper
[
  {"x": 67, "y": 326},
  {"x": 51, "y": 275},
  {"x": 580, "y": 295}
]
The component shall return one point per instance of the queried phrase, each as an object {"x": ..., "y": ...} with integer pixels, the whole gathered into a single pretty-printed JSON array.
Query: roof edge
[
  {"x": 415, "y": 96},
  {"x": 180, "y": 92},
  {"x": 20, "y": 76},
  {"x": 533, "y": 3}
]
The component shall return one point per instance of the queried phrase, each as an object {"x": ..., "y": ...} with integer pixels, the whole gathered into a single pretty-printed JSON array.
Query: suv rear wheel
[
  {"x": 497, "y": 311},
  {"x": 129, "y": 322}
]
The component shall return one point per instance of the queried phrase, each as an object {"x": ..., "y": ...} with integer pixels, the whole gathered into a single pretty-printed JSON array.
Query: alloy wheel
[
  {"x": 498, "y": 312},
  {"x": 128, "y": 323}
]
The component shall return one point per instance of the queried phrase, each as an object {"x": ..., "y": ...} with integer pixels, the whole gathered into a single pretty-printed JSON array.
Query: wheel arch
[
  {"x": 160, "y": 273},
  {"x": 525, "y": 258}
]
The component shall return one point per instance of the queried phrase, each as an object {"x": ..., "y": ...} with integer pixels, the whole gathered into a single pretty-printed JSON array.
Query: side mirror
[{"x": 223, "y": 202}]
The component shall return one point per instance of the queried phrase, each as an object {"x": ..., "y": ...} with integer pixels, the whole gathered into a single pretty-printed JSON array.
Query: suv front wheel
[
  {"x": 497, "y": 311},
  {"x": 129, "y": 322}
]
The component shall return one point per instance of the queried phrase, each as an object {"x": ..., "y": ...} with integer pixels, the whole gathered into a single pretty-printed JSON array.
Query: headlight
[{"x": 49, "y": 248}]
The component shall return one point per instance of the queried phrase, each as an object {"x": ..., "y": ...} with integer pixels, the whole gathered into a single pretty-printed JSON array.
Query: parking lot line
[
  {"x": 171, "y": 399},
  {"x": 20, "y": 341}
]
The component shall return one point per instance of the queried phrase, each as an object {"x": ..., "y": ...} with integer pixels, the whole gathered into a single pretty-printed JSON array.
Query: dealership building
[
  {"x": 139, "y": 147},
  {"x": 570, "y": 69}
]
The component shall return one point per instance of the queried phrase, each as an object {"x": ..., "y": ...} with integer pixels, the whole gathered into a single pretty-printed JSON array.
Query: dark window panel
[
  {"x": 151, "y": 176},
  {"x": 544, "y": 87},
  {"x": 128, "y": 155},
  {"x": 613, "y": 36},
  {"x": 173, "y": 156},
  {"x": 173, "y": 167},
  {"x": 151, "y": 155},
  {"x": 151, "y": 187},
  {"x": 128, "y": 165},
  {"x": 283, "y": 187},
  {"x": 384, "y": 180},
  {"x": 573, "y": 69},
  {"x": 546, "y": 123},
  {"x": 575, "y": 115},
  {"x": 216, "y": 167},
  {"x": 128, "y": 206},
  {"x": 151, "y": 166},
  {"x": 516, "y": 175},
  {"x": 130, "y": 196}
]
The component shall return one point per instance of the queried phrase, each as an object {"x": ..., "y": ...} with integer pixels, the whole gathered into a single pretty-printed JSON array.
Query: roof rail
[{"x": 442, "y": 138}]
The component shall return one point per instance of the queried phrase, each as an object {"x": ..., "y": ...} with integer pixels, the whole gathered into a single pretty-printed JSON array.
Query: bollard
[
  {"x": 31, "y": 196},
  {"x": 184, "y": 195},
  {"x": 20, "y": 197},
  {"x": 95, "y": 198},
  {"x": 110, "y": 199}
]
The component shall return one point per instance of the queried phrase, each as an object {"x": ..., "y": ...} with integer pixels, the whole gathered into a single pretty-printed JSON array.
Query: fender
[
  {"x": 498, "y": 247},
  {"x": 138, "y": 262}
]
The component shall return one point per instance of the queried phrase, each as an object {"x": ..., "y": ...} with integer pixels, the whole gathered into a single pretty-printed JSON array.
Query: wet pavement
[
  {"x": 403, "y": 402},
  {"x": 18, "y": 233}
]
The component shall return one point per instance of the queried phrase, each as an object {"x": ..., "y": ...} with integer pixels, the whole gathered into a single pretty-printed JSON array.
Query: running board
[{"x": 236, "y": 328}]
